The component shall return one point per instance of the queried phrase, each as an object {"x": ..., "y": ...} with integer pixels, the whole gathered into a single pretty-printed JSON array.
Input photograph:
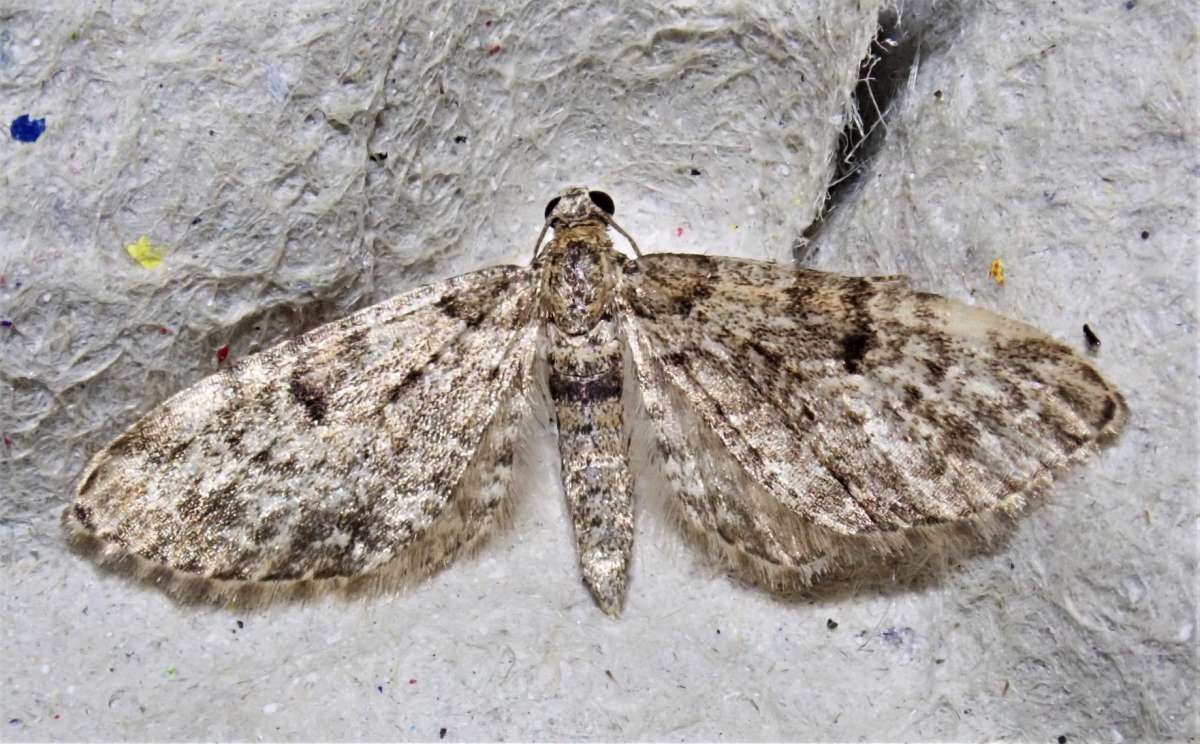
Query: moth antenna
[
  {"x": 537, "y": 246},
  {"x": 632, "y": 243}
]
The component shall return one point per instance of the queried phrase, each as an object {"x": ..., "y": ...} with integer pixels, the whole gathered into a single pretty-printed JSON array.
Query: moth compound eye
[
  {"x": 602, "y": 200},
  {"x": 550, "y": 205}
]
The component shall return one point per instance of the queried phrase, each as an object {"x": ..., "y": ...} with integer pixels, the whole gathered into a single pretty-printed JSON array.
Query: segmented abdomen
[{"x": 585, "y": 383}]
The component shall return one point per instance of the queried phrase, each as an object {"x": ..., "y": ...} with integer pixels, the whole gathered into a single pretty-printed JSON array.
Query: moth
[{"x": 797, "y": 425}]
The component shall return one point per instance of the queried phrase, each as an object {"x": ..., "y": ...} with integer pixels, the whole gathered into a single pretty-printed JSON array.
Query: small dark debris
[
  {"x": 211, "y": 133},
  {"x": 378, "y": 157},
  {"x": 718, "y": 631},
  {"x": 1062, "y": 739},
  {"x": 240, "y": 624},
  {"x": 831, "y": 624},
  {"x": 442, "y": 732},
  {"x": 1145, "y": 234},
  {"x": 1093, "y": 341},
  {"x": 938, "y": 94},
  {"x": 1129, "y": 5},
  {"x": 460, "y": 139},
  {"x": 17, "y": 722},
  {"x": 695, "y": 171},
  {"x": 380, "y": 688},
  {"x": 939, "y": 661},
  {"x": 6, "y": 323},
  {"x": 897, "y": 636}
]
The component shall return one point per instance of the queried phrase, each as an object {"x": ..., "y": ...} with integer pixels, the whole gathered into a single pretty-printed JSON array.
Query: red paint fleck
[
  {"x": 56, "y": 716},
  {"x": 495, "y": 50},
  {"x": 222, "y": 353},
  {"x": 7, "y": 441},
  {"x": 488, "y": 24},
  {"x": 413, "y": 681},
  {"x": 679, "y": 232},
  {"x": 164, "y": 331}
]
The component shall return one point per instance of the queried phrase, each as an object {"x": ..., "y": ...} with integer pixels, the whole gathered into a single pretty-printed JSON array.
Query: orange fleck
[{"x": 997, "y": 271}]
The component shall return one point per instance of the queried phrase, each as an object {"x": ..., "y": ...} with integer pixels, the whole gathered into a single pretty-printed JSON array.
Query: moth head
[{"x": 577, "y": 206}]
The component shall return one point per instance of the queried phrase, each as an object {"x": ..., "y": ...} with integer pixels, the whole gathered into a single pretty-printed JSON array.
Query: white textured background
[{"x": 1060, "y": 137}]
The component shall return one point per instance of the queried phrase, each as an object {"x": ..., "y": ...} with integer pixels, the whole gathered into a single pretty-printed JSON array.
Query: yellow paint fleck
[
  {"x": 997, "y": 271},
  {"x": 149, "y": 256}
]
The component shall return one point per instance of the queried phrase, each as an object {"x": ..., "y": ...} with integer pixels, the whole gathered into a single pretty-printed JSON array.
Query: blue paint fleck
[
  {"x": 24, "y": 129},
  {"x": 6, "y": 323}
]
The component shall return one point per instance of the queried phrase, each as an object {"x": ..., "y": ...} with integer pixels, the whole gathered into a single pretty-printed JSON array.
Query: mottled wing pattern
[
  {"x": 807, "y": 422},
  {"x": 364, "y": 454}
]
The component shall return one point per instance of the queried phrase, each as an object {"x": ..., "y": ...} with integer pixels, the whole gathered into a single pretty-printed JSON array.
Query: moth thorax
[{"x": 581, "y": 278}]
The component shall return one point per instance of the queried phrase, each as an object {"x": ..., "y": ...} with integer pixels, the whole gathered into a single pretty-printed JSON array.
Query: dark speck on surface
[
  {"x": 442, "y": 732},
  {"x": 897, "y": 636},
  {"x": 460, "y": 139},
  {"x": 695, "y": 171},
  {"x": 831, "y": 624},
  {"x": 1062, "y": 739},
  {"x": 1145, "y": 234}
]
